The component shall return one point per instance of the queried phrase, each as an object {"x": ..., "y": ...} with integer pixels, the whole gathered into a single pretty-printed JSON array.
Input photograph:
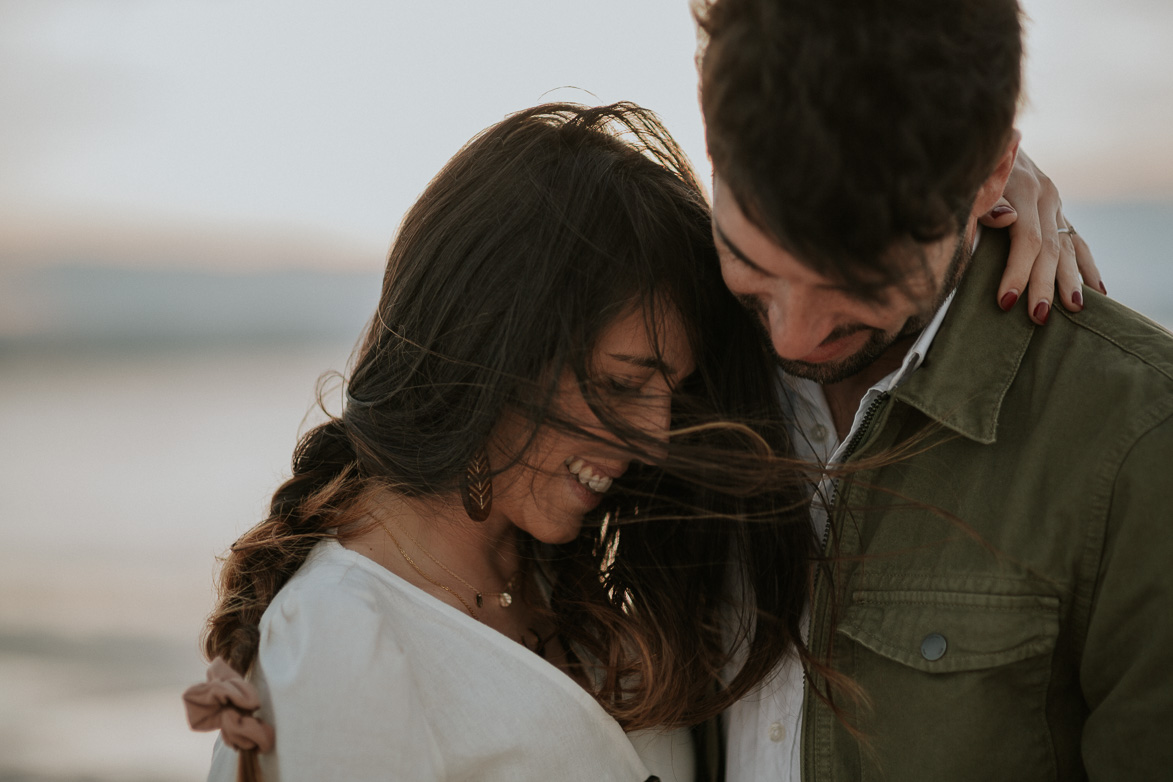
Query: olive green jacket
[{"x": 1022, "y": 630}]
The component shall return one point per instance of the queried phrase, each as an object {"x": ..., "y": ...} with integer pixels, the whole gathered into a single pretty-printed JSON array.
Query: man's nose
[
  {"x": 798, "y": 323},
  {"x": 796, "y": 316}
]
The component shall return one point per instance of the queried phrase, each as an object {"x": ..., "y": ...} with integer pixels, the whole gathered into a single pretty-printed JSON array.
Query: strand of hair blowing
[{"x": 324, "y": 484}]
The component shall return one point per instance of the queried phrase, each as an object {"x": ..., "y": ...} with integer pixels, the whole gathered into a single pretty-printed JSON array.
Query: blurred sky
[{"x": 253, "y": 133}]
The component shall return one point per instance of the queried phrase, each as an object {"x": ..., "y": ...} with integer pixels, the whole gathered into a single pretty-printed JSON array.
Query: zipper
[
  {"x": 868, "y": 415},
  {"x": 852, "y": 445}
]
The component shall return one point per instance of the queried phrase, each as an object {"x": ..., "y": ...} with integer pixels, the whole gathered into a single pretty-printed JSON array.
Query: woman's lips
[
  {"x": 590, "y": 499},
  {"x": 590, "y": 475}
]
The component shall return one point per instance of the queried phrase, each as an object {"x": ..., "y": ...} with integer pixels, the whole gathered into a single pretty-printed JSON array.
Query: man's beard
[{"x": 832, "y": 372}]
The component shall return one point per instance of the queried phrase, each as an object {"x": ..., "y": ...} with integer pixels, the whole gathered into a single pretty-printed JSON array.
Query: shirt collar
[
  {"x": 977, "y": 352},
  {"x": 916, "y": 354}
]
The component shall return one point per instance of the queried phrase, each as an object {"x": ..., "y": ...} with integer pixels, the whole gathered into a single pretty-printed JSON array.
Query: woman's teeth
[{"x": 587, "y": 476}]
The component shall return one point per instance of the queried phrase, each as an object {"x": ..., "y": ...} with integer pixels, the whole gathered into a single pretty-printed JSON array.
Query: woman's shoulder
[
  {"x": 337, "y": 674},
  {"x": 334, "y": 597},
  {"x": 336, "y": 624}
]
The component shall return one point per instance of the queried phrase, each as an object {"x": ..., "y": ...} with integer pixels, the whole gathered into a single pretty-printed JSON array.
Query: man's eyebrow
[{"x": 737, "y": 252}]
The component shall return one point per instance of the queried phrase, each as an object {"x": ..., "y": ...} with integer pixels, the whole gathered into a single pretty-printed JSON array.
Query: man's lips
[{"x": 841, "y": 347}]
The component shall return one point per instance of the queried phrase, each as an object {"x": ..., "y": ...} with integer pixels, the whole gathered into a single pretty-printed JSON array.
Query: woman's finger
[
  {"x": 1067, "y": 274},
  {"x": 1025, "y": 246},
  {"x": 1086, "y": 264},
  {"x": 1041, "y": 289},
  {"x": 1000, "y": 216}
]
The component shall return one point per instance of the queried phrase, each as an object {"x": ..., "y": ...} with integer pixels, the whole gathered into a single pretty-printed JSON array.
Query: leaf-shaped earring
[{"x": 476, "y": 488}]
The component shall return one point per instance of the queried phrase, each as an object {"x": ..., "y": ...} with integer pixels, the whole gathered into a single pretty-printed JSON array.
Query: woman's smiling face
[{"x": 563, "y": 475}]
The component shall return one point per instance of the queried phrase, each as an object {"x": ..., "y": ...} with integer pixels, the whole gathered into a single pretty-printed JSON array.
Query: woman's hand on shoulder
[{"x": 1045, "y": 250}]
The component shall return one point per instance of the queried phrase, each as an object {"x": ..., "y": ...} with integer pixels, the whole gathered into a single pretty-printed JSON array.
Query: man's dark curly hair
[{"x": 843, "y": 127}]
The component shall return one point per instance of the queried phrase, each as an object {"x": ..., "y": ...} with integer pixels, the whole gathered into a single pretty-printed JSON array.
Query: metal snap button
[{"x": 933, "y": 647}]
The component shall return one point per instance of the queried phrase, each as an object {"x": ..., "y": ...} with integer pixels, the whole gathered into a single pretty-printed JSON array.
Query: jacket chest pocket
[{"x": 957, "y": 683}]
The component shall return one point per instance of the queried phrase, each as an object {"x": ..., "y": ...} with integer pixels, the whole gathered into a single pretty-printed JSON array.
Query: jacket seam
[
  {"x": 938, "y": 574},
  {"x": 935, "y": 604},
  {"x": 1118, "y": 344},
  {"x": 1099, "y": 533}
]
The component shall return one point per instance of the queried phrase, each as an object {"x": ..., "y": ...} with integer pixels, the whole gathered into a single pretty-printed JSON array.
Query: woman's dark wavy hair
[{"x": 503, "y": 275}]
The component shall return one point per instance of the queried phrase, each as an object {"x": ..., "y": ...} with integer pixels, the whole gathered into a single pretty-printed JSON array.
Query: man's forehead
[{"x": 905, "y": 262}]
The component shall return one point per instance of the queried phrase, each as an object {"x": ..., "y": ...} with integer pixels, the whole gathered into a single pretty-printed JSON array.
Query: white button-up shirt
[
  {"x": 368, "y": 678},
  {"x": 764, "y": 729}
]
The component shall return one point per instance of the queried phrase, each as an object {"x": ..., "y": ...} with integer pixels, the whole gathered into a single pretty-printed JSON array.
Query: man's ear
[{"x": 991, "y": 190}]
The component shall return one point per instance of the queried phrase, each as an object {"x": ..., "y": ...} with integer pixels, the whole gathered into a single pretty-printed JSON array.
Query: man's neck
[{"x": 843, "y": 397}]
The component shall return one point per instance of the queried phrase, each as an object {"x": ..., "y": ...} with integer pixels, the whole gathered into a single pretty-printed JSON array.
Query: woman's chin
[
  {"x": 559, "y": 520},
  {"x": 557, "y": 534}
]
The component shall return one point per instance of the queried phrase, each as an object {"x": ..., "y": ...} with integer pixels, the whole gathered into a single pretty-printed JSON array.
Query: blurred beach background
[{"x": 195, "y": 201}]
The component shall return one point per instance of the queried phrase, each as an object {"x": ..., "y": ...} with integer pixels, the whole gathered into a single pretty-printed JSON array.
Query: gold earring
[{"x": 476, "y": 487}]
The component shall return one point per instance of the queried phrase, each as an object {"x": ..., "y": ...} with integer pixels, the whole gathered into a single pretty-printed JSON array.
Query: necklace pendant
[
  {"x": 480, "y": 601},
  {"x": 505, "y": 599}
]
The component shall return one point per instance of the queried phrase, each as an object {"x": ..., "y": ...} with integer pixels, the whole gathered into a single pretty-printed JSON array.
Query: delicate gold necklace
[{"x": 504, "y": 599}]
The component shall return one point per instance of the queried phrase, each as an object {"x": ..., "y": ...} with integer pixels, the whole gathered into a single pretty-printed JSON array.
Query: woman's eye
[{"x": 621, "y": 387}]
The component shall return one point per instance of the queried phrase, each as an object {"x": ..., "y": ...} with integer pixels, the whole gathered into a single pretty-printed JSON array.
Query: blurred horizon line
[
  {"x": 187, "y": 288},
  {"x": 123, "y": 241}
]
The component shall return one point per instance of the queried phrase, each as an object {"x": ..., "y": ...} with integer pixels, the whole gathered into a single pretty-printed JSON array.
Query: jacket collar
[{"x": 976, "y": 355}]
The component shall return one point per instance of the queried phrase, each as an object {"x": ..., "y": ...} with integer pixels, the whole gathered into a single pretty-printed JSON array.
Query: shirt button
[
  {"x": 820, "y": 432},
  {"x": 933, "y": 647},
  {"x": 777, "y": 732}
]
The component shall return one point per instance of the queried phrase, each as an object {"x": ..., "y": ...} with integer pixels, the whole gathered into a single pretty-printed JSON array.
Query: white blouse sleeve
[{"x": 339, "y": 692}]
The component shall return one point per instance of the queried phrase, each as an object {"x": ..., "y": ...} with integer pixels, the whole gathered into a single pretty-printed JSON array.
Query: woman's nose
[{"x": 655, "y": 421}]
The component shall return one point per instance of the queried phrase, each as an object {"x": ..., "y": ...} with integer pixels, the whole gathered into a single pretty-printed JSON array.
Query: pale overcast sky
[{"x": 322, "y": 120}]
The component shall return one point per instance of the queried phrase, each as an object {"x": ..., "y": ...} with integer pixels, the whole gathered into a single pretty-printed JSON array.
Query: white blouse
[{"x": 366, "y": 677}]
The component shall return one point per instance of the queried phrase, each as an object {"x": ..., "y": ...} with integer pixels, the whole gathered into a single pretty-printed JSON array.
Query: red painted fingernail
[
  {"x": 1042, "y": 310},
  {"x": 1077, "y": 299},
  {"x": 1103, "y": 290},
  {"x": 1009, "y": 299},
  {"x": 1001, "y": 211}
]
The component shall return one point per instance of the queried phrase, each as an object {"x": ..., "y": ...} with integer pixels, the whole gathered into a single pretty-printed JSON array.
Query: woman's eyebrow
[{"x": 643, "y": 362}]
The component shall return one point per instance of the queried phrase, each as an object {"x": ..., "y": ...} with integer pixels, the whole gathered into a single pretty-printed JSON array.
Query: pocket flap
[{"x": 944, "y": 632}]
